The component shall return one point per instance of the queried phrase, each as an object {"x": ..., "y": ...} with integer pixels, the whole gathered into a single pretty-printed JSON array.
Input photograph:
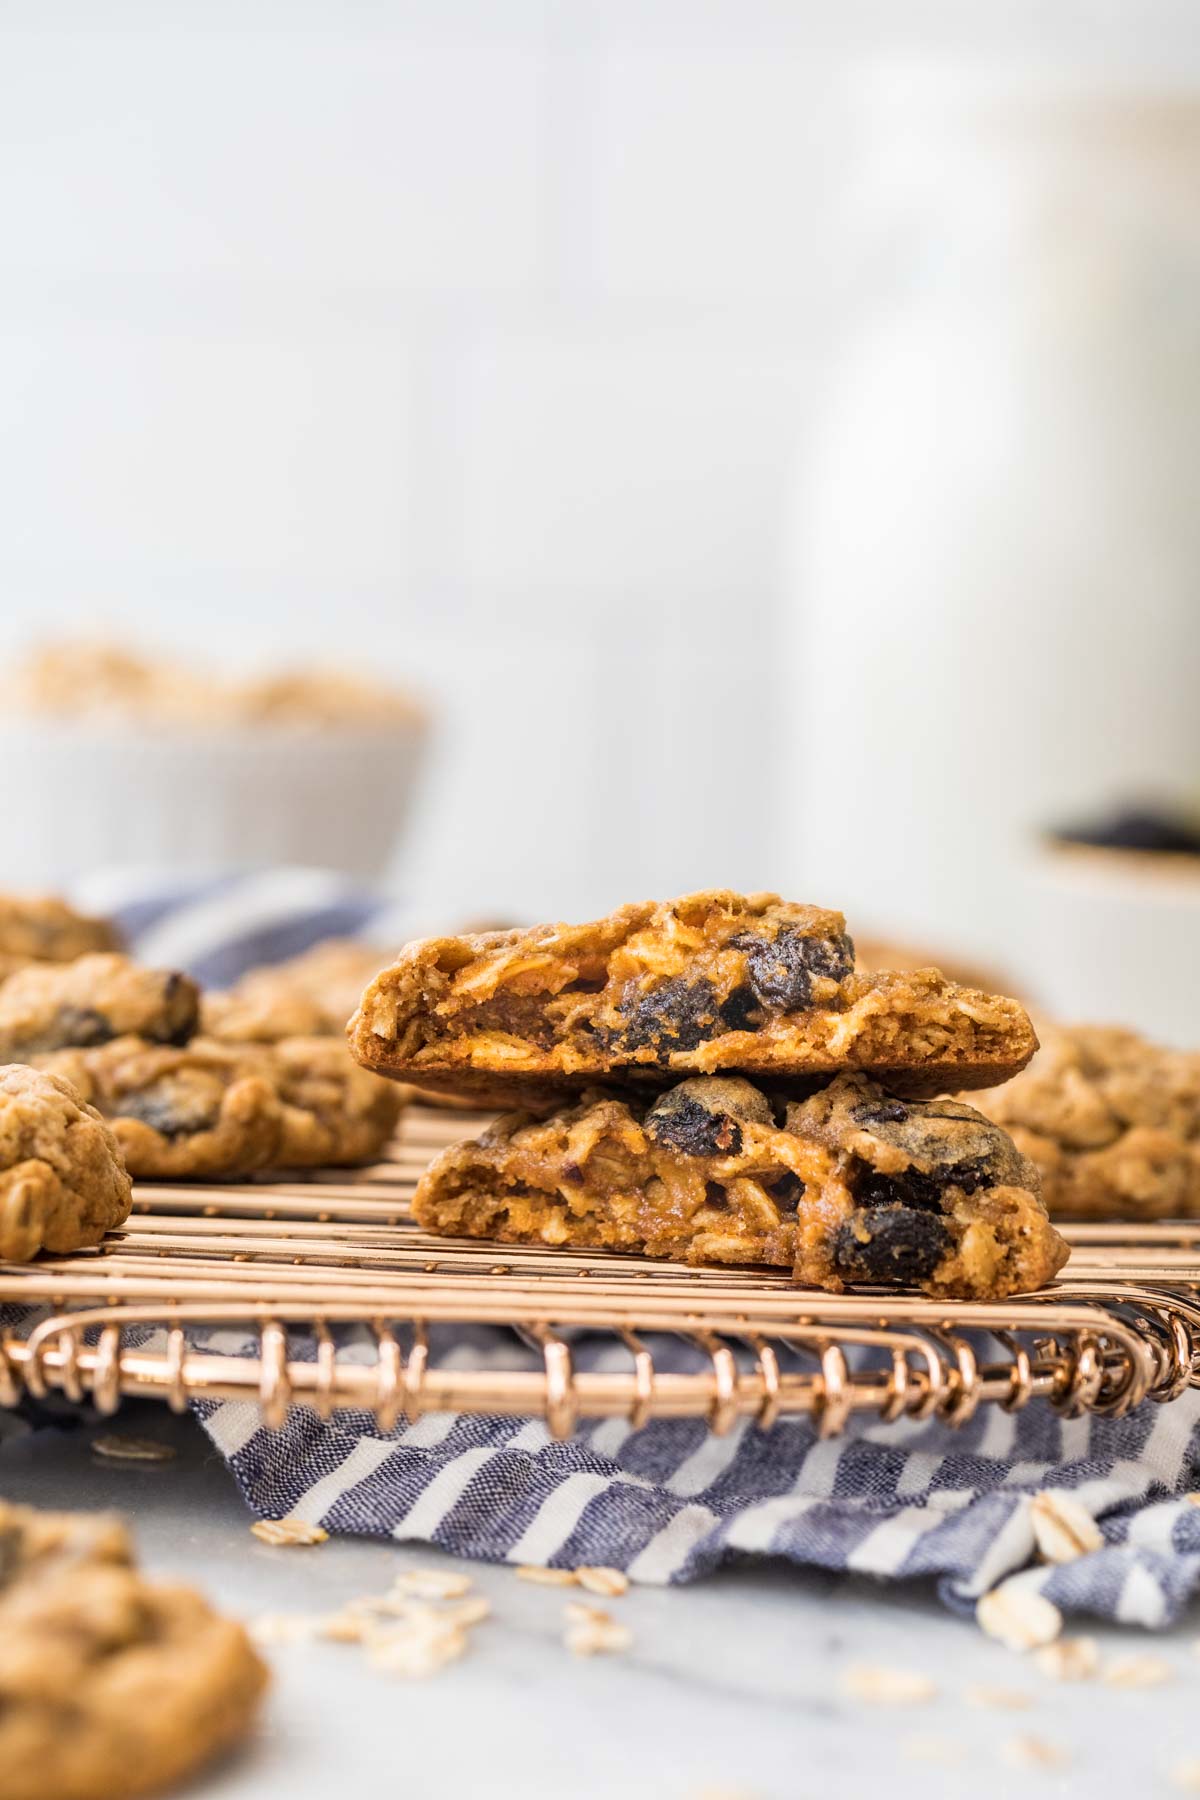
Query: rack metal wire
[{"x": 291, "y": 1262}]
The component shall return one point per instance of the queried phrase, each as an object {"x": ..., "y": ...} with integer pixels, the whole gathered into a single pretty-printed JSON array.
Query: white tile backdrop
[{"x": 472, "y": 341}]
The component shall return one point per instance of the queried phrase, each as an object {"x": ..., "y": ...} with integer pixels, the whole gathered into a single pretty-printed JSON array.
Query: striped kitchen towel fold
[{"x": 672, "y": 1502}]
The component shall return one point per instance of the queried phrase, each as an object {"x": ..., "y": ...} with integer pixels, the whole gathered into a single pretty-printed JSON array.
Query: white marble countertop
[{"x": 732, "y": 1687}]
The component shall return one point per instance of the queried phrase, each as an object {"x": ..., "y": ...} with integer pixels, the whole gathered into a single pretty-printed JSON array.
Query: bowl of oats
[{"x": 116, "y": 758}]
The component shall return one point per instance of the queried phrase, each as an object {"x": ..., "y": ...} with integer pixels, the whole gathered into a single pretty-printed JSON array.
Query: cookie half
[
  {"x": 712, "y": 982},
  {"x": 851, "y": 1185}
]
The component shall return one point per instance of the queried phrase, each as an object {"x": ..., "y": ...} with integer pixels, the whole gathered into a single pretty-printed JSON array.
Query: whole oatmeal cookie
[
  {"x": 110, "y": 1685},
  {"x": 55, "y": 1006},
  {"x": 62, "y": 1181},
  {"x": 201, "y": 1111},
  {"x": 220, "y": 1111},
  {"x": 43, "y": 928},
  {"x": 851, "y": 1184},
  {"x": 1111, "y": 1120},
  {"x": 715, "y": 981},
  {"x": 310, "y": 995},
  {"x": 333, "y": 1111}
]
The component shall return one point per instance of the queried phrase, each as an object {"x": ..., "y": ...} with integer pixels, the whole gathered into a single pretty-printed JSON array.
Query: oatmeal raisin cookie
[
  {"x": 110, "y": 1685},
  {"x": 709, "y": 983},
  {"x": 54, "y": 1006},
  {"x": 851, "y": 1184},
  {"x": 62, "y": 1181}
]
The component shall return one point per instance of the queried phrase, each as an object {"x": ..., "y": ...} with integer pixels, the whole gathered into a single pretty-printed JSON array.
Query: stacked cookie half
[{"x": 711, "y": 1079}]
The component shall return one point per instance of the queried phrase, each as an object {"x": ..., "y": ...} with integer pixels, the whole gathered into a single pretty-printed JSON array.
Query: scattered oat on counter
[
  {"x": 547, "y": 1577},
  {"x": 432, "y": 1584},
  {"x": 115, "y": 1448},
  {"x": 1140, "y": 1670},
  {"x": 611, "y": 1583},
  {"x": 288, "y": 1531},
  {"x": 1069, "y": 1659},
  {"x": 1018, "y": 1616},
  {"x": 1004, "y": 1699},
  {"x": 593, "y": 1632},
  {"x": 272, "y": 1631},
  {"x": 880, "y": 1686},
  {"x": 1062, "y": 1528},
  {"x": 1033, "y": 1753},
  {"x": 399, "y": 1632}
]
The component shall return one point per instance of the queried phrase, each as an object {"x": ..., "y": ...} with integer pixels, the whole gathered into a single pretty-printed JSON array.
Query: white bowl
[
  {"x": 1116, "y": 936},
  {"x": 201, "y": 801}
]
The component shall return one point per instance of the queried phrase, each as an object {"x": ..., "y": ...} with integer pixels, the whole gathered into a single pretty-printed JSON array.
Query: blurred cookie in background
[
  {"x": 874, "y": 954},
  {"x": 1111, "y": 1119},
  {"x": 43, "y": 928}
]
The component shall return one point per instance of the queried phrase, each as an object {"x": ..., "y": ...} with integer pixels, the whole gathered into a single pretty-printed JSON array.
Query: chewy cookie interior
[
  {"x": 849, "y": 1185},
  {"x": 709, "y": 982}
]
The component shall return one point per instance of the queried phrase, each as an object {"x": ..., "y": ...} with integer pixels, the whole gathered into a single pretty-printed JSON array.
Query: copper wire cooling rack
[{"x": 289, "y": 1262}]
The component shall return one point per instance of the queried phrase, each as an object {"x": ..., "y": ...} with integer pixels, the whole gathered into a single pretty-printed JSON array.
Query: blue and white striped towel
[{"x": 671, "y": 1502}]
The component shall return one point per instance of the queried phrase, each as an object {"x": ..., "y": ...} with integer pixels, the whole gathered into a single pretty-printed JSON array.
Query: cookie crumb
[
  {"x": 115, "y": 1448},
  {"x": 1063, "y": 1529},
  {"x": 1069, "y": 1659},
  {"x": 1033, "y": 1753},
  {"x": 879, "y": 1686},
  {"x": 288, "y": 1531},
  {"x": 1018, "y": 1617},
  {"x": 270, "y": 1631}
]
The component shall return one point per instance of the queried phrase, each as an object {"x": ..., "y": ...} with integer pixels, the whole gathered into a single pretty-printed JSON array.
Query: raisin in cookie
[
  {"x": 197, "y": 1112},
  {"x": 63, "y": 1183},
  {"x": 90, "y": 1001},
  {"x": 712, "y": 982},
  {"x": 42, "y": 928},
  {"x": 1111, "y": 1120},
  {"x": 110, "y": 1685},
  {"x": 849, "y": 1185},
  {"x": 210, "y": 1111}
]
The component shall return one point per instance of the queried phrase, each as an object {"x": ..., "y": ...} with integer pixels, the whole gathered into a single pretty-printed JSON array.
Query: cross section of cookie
[
  {"x": 208, "y": 1111},
  {"x": 110, "y": 1685},
  {"x": 712, "y": 982},
  {"x": 1111, "y": 1120},
  {"x": 63, "y": 1183},
  {"x": 53, "y": 1006},
  {"x": 851, "y": 1185}
]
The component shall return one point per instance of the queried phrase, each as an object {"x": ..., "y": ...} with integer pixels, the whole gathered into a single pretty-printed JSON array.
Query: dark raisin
[
  {"x": 72, "y": 1027},
  {"x": 781, "y": 972},
  {"x": 909, "y": 1188},
  {"x": 573, "y": 1173},
  {"x": 890, "y": 1244},
  {"x": 181, "y": 1005},
  {"x": 785, "y": 1189},
  {"x": 741, "y": 1012},
  {"x": 690, "y": 1127},
  {"x": 715, "y": 1196},
  {"x": 676, "y": 1015},
  {"x": 171, "y": 1114},
  {"x": 885, "y": 1111}
]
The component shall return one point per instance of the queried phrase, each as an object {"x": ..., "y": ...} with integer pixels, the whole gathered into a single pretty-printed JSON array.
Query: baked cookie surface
[
  {"x": 851, "y": 1184},
  {"x": 711, "y": 982},
  {"x": 1112, "y": 1121},
  {"x": 43, "y": 928},
  {"x": 110, "y": 1685},
  {"x": 51, "y": 1006},
  {"x": 63, "y": 1183},
  {"x": 209, "y": 1110},
  {"x": 309, "y": 995}
]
